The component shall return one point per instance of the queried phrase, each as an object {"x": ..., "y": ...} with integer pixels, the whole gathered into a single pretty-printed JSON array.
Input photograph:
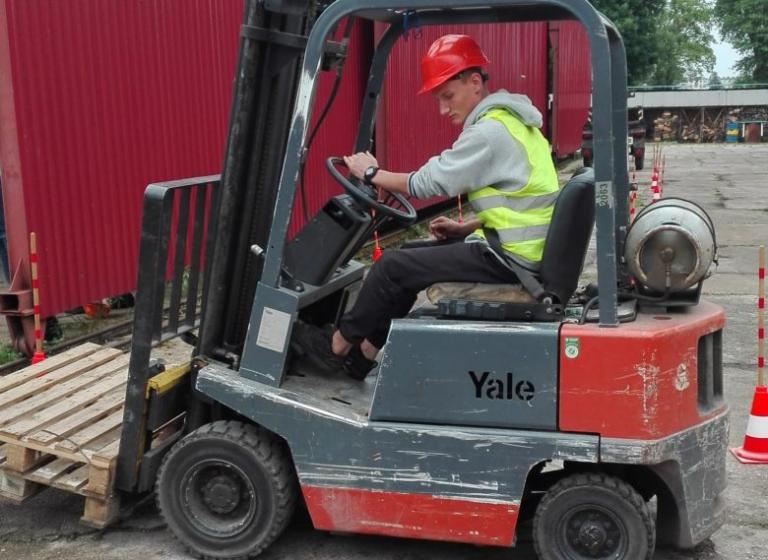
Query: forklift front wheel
[
  {"x": 227, "y": 490},
  {"x": 593, "y": 516}
]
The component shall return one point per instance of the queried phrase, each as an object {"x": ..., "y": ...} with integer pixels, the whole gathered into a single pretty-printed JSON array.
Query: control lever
[{"x": 288, "y": 279}]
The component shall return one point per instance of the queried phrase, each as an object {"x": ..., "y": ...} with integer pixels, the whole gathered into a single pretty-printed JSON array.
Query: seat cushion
[{"x": 502, "y": 293}]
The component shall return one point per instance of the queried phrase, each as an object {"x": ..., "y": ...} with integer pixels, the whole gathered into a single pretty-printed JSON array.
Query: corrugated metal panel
[
  {"x": 410, "y": 128},
  {"x": 108, "y": 97},
  {"x": 572, "y": 85},
  {"x": 336, "y": 136}
]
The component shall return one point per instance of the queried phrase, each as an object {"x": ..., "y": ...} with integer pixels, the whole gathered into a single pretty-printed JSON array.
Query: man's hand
[
  {"x": 359, "y": 162},
  {"x": 445, "y": 228}
]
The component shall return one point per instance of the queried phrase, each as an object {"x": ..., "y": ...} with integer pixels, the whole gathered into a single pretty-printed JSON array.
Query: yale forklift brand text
[{"x": 501, "y": 387}]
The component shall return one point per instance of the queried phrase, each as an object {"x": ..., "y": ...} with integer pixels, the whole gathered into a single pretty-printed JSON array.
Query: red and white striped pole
[
  {"x": 755, "y": 447},
  {"x": 761, "y": 317},
  {"x": 38, "y": 356}
]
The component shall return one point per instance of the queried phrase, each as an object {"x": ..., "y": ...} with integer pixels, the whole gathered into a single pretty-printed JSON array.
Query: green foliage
[
  {"x": 638, "y": 22},
  {"x": 744, "y": 23},
  {"x": 667, "y": 41},
  {"x": 8, "y": 354}
]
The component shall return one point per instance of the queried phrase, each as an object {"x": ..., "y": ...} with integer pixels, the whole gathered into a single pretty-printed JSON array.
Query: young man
[{"x": 500, "y": 159}]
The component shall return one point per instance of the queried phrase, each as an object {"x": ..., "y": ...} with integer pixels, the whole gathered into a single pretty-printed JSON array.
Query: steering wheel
[{"x": 394, "y": 205}]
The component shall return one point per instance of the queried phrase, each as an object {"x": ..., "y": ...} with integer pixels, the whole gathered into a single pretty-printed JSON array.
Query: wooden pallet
[{"x": 60, "y": 423}]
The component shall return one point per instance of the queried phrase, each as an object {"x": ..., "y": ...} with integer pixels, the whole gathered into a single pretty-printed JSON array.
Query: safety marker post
[
  {"x": 755, "y": 448},
  {"x": 39, "y": 355},
  {"x": 376, "y": 248},
  {"x": 461, "y": 218}
]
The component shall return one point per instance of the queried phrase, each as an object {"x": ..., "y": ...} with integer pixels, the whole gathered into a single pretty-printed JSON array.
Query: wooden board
[{"x": 60, "y": 426}]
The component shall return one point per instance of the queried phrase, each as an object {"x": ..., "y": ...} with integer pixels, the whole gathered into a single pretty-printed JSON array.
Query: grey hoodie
[{"x": 483, "y": 154}]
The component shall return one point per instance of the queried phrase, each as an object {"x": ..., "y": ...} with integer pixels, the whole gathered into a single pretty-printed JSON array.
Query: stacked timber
[{"x": 665, "y": 127}]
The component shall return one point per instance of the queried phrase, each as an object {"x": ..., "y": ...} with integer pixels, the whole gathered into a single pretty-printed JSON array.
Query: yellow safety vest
[{"x": 522, "y": 216}]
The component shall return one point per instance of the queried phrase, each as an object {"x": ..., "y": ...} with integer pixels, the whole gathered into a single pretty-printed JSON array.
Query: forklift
[{"x": 597, "y": 414}]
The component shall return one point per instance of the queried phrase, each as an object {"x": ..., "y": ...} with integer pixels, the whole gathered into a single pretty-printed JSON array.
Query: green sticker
[{"x": 571, "y": 347}]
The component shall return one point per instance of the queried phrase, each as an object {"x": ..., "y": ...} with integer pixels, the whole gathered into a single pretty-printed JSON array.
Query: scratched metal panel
[
  {"x": 106, "y": 97},
  {"x": 332, "y": 447},
  {"x": 572, "y": 85},
  {"x": 492, "y": 374},
  {"x": 410, "y": 129}
]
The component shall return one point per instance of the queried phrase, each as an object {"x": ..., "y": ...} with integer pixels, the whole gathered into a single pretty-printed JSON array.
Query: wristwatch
[{"x": 369, "y": 174}]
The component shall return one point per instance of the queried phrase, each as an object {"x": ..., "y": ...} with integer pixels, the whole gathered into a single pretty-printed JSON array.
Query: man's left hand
[{"x": 359, "y": 162}]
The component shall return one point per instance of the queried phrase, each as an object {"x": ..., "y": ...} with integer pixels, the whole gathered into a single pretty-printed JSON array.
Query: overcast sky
[{"x": 726, "y": 56}]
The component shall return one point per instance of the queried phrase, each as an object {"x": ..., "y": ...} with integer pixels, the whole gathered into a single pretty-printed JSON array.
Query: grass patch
[{"x": 8, "y": 354}]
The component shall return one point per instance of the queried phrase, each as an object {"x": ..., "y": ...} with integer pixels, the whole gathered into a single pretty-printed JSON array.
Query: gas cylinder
[{"x": 671, "y": 246}]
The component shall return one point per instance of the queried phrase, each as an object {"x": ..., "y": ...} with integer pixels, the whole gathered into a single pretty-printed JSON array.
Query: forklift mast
[{"x": 272, "y": 42}]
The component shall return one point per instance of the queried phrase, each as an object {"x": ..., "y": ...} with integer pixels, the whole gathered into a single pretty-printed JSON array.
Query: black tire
[
  {"x": 593, "y": 516},
  {"x": 227, "y": 490}
]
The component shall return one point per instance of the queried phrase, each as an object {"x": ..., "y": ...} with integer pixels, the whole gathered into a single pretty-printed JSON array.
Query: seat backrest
[{"x": 568, "y": 237}]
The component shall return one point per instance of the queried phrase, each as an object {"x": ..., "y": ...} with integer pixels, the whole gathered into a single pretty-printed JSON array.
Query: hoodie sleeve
[{"x": 483, "y": 154}]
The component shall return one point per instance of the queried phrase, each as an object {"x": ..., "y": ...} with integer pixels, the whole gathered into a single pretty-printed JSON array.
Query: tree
[
  {"x": 715, "y": 82},
  {"x": 744, "y": 23},
  {"x": 667, "y": 41},
  {"x": 686, "y": 38},
  {"x": 638, "y": 21}
]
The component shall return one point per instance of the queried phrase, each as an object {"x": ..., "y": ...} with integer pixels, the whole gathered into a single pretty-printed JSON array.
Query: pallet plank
[
  {"x": 68, "y": 433},
  {"x": 88, "y": 435},
  {"x": 65, "y": 407},
  {"x": 16, "y": 488},
  {"x": 44, "y": 391},
  {"x": 48, "y": 473},
  {"x": 48, "y": 365},
  {"x": 73, "y": 481},
  {"x": 21, "y": 459}
]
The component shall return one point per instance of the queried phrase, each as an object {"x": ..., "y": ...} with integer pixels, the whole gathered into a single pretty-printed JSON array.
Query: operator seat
[{"x": 565, "y": 248}]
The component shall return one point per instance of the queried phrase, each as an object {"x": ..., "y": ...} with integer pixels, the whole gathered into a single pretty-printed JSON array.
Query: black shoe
[
  {"x": 314, "y": 344},
  {"x": 356, "y": 365}
]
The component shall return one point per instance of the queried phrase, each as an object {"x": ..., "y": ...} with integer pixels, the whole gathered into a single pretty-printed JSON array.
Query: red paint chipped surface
[{"x": 415, "y": 516}]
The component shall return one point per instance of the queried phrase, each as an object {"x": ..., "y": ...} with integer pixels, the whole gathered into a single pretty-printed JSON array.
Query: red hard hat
[{"x": 448, "y": 56}]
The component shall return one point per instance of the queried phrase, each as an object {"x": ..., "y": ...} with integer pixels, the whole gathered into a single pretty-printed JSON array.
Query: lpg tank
[{"x": 671, "y": 246}]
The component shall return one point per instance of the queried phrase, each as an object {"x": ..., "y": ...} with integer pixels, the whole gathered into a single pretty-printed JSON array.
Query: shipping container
[{"x": 571, "y": 85}]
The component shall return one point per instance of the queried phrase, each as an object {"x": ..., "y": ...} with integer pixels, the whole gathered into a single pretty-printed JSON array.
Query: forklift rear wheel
[
  {"x": 227, "y": 490},
  {"x": 593, "y": 516}
]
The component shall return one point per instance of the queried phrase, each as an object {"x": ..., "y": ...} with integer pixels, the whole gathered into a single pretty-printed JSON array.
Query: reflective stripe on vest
[{"x": 521, "y": 217}]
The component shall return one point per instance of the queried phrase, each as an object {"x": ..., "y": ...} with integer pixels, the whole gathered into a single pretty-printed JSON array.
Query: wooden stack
[
  {"x": 60, "y": 424},
  {"x": 665, "y": 127}
]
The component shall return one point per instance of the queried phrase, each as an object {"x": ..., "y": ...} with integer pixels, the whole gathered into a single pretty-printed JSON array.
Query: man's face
[{"x": 457, "y": 97}]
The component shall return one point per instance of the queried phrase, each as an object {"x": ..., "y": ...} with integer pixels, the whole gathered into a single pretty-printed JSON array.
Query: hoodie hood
[{"x": 517, "y": 103}]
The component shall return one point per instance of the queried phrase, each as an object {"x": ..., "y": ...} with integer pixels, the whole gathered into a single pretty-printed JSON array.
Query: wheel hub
[
  {"x": 593, "y": 534},
  {"x": 221, "y": 494}
]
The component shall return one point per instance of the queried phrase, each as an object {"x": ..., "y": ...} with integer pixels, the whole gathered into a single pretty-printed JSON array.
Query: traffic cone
[
  {"x": 655, "y": 192},
  {"x": 755, "y": 448}
]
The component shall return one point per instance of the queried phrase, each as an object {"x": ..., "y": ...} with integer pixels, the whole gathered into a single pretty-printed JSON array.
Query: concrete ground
[{"x": 730, "y": 182}]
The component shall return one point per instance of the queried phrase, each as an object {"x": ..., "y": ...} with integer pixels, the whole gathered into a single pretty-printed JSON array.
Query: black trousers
[{"x": 394, "y": 281}]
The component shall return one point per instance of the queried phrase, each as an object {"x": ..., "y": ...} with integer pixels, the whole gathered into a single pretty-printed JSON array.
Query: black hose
[{"x": 323, "y": 114}]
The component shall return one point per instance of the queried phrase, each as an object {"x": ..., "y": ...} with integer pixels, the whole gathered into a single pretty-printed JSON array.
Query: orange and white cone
[
  {"x": 755, "y": 448},
  {"x": 655, "y": 191}
]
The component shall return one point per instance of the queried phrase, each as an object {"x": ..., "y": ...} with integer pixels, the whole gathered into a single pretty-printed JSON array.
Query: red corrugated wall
[
  {"x": 572, "y": 85},
  {"x": 100, "y": 98},
  {"x": 410, "y": 128},
  {"x": 106, "y": 97}
]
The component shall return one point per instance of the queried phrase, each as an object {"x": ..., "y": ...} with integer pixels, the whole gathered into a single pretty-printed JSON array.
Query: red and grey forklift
[{"x": 576, "y": 409}]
